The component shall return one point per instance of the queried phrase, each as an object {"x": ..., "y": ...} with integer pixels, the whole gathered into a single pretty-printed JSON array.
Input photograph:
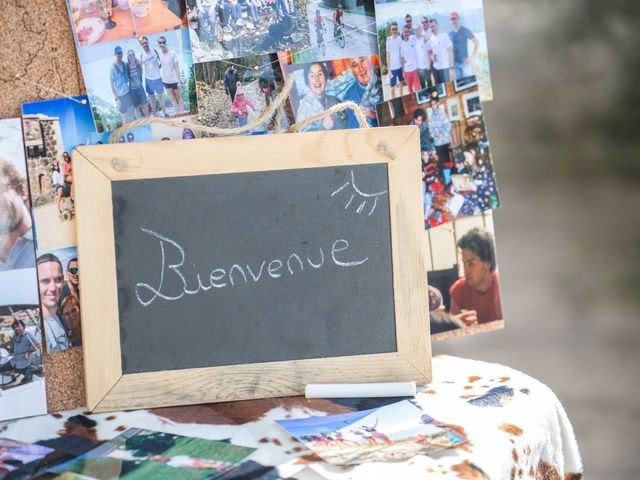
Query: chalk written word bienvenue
[{"x": 221, "y": 278}]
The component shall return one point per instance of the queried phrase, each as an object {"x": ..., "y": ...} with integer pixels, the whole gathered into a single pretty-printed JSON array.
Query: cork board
[
  {"x": 43, "y": 54},
  {"x": 43, "y": 65}
]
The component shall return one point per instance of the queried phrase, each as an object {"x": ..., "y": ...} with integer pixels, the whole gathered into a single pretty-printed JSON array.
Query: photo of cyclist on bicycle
[
  {"x": 338, "y": 17},
  {"x": 321, "y": 29}
]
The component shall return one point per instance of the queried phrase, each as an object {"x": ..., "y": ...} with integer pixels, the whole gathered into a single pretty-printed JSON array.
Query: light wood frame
[{"x": 97, "y": 167}]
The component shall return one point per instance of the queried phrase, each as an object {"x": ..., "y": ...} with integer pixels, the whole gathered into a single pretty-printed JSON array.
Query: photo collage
[
  {"x": 223, "y": 63},
  {"x": 22, "y": 384}
]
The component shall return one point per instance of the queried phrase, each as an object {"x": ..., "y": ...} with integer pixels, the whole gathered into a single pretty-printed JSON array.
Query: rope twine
[{"x": 276, "y": 107}]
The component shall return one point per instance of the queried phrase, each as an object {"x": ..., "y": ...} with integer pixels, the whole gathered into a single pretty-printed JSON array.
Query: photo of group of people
[
  {"x": 232, "y": 93},
  {"x": 457, "y": 169},
  {"x": 22, "y": 390},
  {"x": 463, "y": 284},
  {"x": 389, "y": 433},
  {"x": 132, "y": 78},
  {"x": 422, "y": 44},
  {"x": 224, "y": 29},
  {"x": 59, "y": 289},
  {"x": 321, "y": 85}
]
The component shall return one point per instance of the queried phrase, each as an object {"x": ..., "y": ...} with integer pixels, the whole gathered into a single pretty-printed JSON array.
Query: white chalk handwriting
[{"x": 232, "y": 276}]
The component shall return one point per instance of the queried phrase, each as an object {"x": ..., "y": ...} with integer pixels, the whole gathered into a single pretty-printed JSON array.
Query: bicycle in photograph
[
  {"x": 321, "y": 45},
  {"x": 339, "y": 36}
]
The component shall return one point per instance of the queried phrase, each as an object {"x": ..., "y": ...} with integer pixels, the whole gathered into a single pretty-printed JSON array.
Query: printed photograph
[
  {"x": 138, "y": 134},
  {"x": 14, "y": 454},
  {"x": 224, "y": 29},
  {"x": 457, "y": 169},
  {"x": 321, "y": 85},
  {"x": 142, "y": 454},
  {"x": 339, "y": 29},
  {"x": 59, "y": 289},
  {"x": 393, "y": 432},
  {"x": 463, "y": 281},
  {"x": 161, "y": 132},
  {"x": 233, "y": 93},
  {"x": 16, "y": 232},
  {"x": 96, "y": 21},
  {"x": 22, "y": 388},
  {"x": 52, "y": 129},
  {"x": 426, "y": 43},
  {"x": 134, "y": 78}
]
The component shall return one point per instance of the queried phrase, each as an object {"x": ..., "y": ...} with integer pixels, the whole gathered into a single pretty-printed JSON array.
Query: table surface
[{"x": 515, "y": 425}]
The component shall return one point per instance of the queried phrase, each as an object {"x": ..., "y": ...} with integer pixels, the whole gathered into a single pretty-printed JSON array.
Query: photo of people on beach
[
  {"x": 321, "y": 85},
  {"x": 393, "y": 432},
  {"x": 22, "y": 390},
  {"x": 140, "y": 454},
  {"x": 129, "y": 79},
  {"x": 232, "y": 93},
  {"x": 457, "y": 169},
  {"x": 426, "y": 43},
  {"x": 464, "y": 286},
  {"x": 339, "y": 29},
  {"x": 59, "y": 289},
  {"x": 224, "y": 29},
  {"x": 96, "y": 21}
]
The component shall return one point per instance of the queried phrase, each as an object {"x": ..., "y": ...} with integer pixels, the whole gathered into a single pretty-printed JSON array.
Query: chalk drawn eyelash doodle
[{"x": 365, "y": 197}]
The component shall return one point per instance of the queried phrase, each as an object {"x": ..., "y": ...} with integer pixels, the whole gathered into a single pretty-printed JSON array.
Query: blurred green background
[{"x": 562, "y": 130}]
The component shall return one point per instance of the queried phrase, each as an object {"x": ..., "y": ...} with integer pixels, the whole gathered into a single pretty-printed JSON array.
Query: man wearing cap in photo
[
  {"x": 460, "y": 35},
  {"x": 16, "y": 236},
  {"x": 119, "y": 80},
  {"x": 23, "y": 344},
  {"x": 441, "y": 51}
]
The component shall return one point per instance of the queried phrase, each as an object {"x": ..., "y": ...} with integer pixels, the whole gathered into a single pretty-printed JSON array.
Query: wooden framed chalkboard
[{"x": 248, "y": 267}]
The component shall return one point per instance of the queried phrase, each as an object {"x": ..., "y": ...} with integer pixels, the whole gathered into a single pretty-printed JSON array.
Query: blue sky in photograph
[
  {"x": 76, "y": 121},
  {"x": 316, "y": 425}
]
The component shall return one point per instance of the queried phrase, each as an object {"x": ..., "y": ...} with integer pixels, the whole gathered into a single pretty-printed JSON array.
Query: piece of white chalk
[{"x": 360, "y": 390}]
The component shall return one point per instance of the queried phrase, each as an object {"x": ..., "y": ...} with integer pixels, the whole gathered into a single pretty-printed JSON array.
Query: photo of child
[{"x": 232, "y": 93}]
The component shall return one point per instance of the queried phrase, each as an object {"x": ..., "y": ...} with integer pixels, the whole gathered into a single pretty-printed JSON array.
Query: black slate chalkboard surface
[{"x": 253, "y": 267}]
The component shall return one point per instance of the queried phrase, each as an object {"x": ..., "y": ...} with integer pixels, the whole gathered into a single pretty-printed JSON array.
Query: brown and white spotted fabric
[{"x": 516, "y": 426}]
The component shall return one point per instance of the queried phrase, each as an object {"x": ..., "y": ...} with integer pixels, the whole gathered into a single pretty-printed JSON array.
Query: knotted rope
[{"x": 276, "y": 107}]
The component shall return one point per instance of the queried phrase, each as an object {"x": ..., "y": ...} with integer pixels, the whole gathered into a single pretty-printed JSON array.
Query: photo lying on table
[
  {"x": 321, "y": 85},
  {"x": 235, "y": 92},
  {"x": 14, "y": 454},
  {"x": 134, "y": 78},
  {"x": 223, "y": 29},
  {"x": 457, "y": 169},
  {"x": 463, "y": 282},
  {"x": 339, "y": 29},
  {"x": 16, "y": 233},
  {"x": 59, "y": 287},
  {"x": 393, "y": 432},
  {"x": 22, "y": 387},
  {"x": 96, "y": 21},
  {"x": 142, "y": 454},
  {"x": 426, "y": 43}
]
